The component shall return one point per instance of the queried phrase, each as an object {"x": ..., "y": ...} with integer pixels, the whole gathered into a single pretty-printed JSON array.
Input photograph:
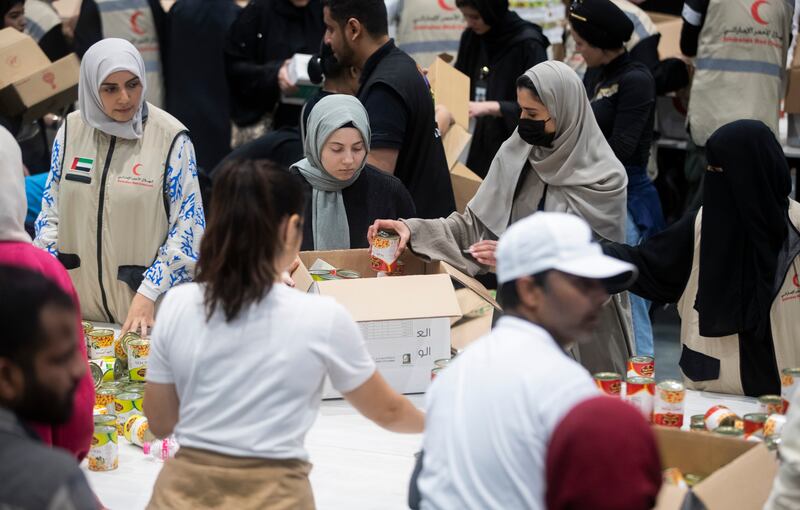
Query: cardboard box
[
  {"x": 455, "y": 141},
  {"x": 465, "y": 184},
  {"x": 670, "y": 29},
  {"x": 739, "y": 474},
  {"x": 406, "y": 320},
  {"x": 792, "y": 100},
  {"x": 30, "y": 85},
  {"x": 450, "y": 88}
]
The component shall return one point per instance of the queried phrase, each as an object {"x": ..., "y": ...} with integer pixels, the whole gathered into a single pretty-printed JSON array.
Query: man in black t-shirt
[{"x": 405, "y": 139}]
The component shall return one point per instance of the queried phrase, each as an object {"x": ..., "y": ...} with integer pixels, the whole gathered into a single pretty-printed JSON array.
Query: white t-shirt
[
  {"x": 490, "y": 415},
  {"x": 252, "y": 387}
]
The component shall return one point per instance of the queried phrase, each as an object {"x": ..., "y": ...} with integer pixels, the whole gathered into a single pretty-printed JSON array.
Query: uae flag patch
[{"x": 82, "y": 164}]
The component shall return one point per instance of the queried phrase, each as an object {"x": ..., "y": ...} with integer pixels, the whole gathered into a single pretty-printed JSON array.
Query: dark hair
[
  {"x": 467, "y": 3},
  {"x": 237, "y": 254},
  {"x": 23, "y": 295},
  {"x": 370, "y": 13},
  {"x": 525, "y": 82},
  {"x": 507, "y": 295},
  {"x": 325, "y": 65}
]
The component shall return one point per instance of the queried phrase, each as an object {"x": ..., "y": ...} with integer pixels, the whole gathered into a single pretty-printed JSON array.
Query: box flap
[
  {"x": 670, "y": 29},
  {"x": 697, "y": 453},
  {"x": 470, "y": 283},
  {"x": 450, "y": 87},
  {"x": 465, "y": 185},
  {"x": 466, "y": 331},
  {"x": 19, "y": 56},
  {"x": 744, "y": 484},
  {"x": 302, "y": 278},
  {"x": 792, "y": 100},
  {"x": 455, "y": 141},
  {"x": 394, "y": 298}
]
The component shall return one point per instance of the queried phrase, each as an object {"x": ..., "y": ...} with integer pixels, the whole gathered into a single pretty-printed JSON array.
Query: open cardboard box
[
  {"x": 450, "y": 88},
  {"x": 465, "y": 184},
  {"x": 31, "y": 85},
  {"x": 670, "y": 29},
  {"x": 408, "y": 321},
  {"x": 455, "y": 141},
  {"x": 739, "y": 474}
]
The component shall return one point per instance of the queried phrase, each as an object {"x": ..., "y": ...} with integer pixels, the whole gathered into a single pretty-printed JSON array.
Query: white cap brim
[{"x": 600, "y": 267}]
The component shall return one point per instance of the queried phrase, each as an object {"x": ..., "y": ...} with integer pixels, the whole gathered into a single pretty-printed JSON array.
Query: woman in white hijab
[
  {"x": 121, "y": 208},
  {"x": 557, "y": 160},
  {"x": 347, "y": 195}
]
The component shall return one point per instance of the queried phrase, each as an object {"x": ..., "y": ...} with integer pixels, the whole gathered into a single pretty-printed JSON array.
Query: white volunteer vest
[
  {"x": 740, "y": 64},
  {"x": 113, "y": 209},
  {"x": 428, "y": 28},
  {"x": 40, "y": 18},
  {"x": 783, "y": 315},
  {"x": 133, "y": 21}
]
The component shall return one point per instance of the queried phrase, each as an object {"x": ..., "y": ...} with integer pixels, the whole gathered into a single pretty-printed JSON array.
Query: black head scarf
[
  {"x": 492, "y": 11},
  {"x": 744, "y": 226},
  {"x": 506, "y": 27},
  {"x": 600, "y": 23}
]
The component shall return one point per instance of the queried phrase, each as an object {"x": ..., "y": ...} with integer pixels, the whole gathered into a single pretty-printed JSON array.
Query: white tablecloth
[{"x": 357, "y": 465}]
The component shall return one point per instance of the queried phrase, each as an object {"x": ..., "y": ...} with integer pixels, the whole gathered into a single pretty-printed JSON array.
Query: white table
[{"x": 357, "y": 465}]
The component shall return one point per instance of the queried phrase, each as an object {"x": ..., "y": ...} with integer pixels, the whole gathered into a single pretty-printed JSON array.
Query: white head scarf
[
  {"x": 13, "y": 203},
  {"x": 328, "y": 214},
  {"x": 102, "y": 59},
  {"x": 582, "y": 174}
]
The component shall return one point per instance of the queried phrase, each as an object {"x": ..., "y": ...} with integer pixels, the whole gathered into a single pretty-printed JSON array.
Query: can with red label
[
  {"x": 790, "y": 378},
  {"x": 383, "y": 255},
  {"x": 642, "y": 366},
  {"x": 609, "y": 383},
  {"x": 670, "y": 399},
  {"x": 640, "y": 391},
  {"x": 770, "y": 404},
  {"x": 721, "y": 416},
  {"x": 754, "y": 424}
]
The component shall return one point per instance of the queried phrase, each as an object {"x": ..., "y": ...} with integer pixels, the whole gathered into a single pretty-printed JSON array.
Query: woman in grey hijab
[
  {"x": 121, "y": 208},
  {"x": 347, "y": 195},
  {"x": 556, "y": 160}
]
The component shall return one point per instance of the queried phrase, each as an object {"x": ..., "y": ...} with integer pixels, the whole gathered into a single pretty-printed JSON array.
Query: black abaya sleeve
[{"x": 664, "y": 261}]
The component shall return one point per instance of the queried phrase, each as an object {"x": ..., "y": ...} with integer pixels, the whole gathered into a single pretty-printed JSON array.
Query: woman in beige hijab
[{"x": 557, "y": 160}]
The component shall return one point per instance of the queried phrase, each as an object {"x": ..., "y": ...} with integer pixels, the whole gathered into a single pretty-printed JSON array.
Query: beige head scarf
[
  {"x": 580, "y": 172},
  {"x": 13, "y": 202}
]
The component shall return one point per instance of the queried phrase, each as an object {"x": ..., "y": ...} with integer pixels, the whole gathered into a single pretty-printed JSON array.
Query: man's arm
[{"x": 388, "y": 121}]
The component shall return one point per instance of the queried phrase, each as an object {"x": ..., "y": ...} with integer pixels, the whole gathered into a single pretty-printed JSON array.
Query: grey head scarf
[
  {"x": 102, "y": 59},
  {"x": 580, "y": 173},
  {"x": 328, "y": 215}
]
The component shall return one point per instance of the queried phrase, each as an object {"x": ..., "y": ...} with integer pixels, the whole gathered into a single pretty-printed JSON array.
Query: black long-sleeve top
[
  {"x": 623, "y": 97},
  {"x": 374, "y": 195},
  {"x": 694, "y": 16}
]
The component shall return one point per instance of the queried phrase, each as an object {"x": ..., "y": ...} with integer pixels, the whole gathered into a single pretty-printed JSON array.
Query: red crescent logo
[
  {"x": 135, "y": 171},
  {"x": 445, "y": 7},
  {"x": 755, "y": 14},
  {"x": 134, "y": 23}
]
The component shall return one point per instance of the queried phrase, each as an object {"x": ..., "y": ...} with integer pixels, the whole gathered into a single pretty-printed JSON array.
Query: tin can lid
[
  {"x": 770, "y": 398},
  {"x": 755, "y": 417},
  {"x": 129, "y": 395},
  {"x": 729, "y": 431},
  {"x": 671, "y": 385},
  {"x": 101, "y": 332},
  {"x": 606, "y": 376},
  {"x": 642, "y": 359},
  {"x": 640, "y": 380},
  {"x": 104, "y": 429},
  {"x": 791, "y": 371}
]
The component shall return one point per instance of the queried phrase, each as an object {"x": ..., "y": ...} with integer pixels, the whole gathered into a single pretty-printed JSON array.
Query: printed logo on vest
[
  {"x": 82, "y": 164},
  {"x": 136, "y": 178},
  {"x": 754, "y": 12},
  {"x": 794, "y": 294},
  {"x": 445, "y": 7},
  {"x": 135, "y": 28}
]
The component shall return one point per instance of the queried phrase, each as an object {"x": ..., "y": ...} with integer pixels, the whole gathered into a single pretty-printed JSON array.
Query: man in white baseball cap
[{"x": 490, "y": 414}]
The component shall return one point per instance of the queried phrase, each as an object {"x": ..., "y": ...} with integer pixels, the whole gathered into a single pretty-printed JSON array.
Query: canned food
[
  {"x": 117, "y": 385},
  {"x": 441, "y": 363},
  {"x": 323, "y": 275},
  {"x": 641, "y": 366},
  {"x": 101, "y": 343},
  {"x": 121, "y": 346},
  {"x": 698, "y": 423},
  {"x": 138, "y": 352},
  {"x": 137, "y": 430},
  {"x": 692, "y": 479},
  {"x": 674, "y": 476},
  {"x": 770, "y": 404},
  {"x": 669, "y": 404},
  {"x": 721, "y": 416},
  {"x": 435, "y": 373},
  {"x": 609, "y": 383},
  {"x": 97, "y": 410},
  {"x": 134, "y": 387},
  {"x": 774, "y": 425},
  {"x": 87, "y": 326},
  {"x": 105, "y": 397},
  {"x": 729, "y": 431},
  {"x": 754, "y": 424},
  {"x": 348, "y": 274},
  {"x": 105, "y": 419},
  {"x": 384, "y": 251},
  {"x": 127, "y": 405},
  {"x": 789, "y": 382},
  {"x": 106, "y": 370},
  {"x": 640, "y": 392},
  {"x": 103, "y": 454}
]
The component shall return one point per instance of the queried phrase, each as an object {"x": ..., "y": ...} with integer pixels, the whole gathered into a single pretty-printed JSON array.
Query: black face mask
[{"x": 532, "y": 132}]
